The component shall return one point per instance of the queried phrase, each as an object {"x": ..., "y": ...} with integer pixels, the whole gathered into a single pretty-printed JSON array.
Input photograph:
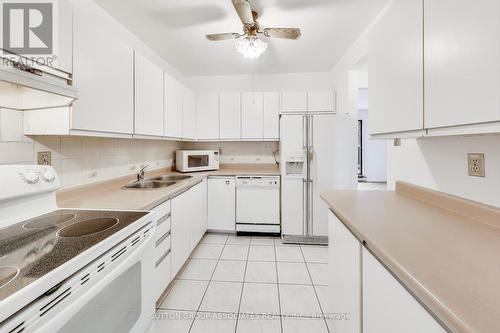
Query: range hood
[{"x": 31, "y": 90}]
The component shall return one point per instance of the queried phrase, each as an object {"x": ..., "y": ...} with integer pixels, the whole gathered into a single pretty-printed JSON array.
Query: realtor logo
[{"x": 28, "y": 27}]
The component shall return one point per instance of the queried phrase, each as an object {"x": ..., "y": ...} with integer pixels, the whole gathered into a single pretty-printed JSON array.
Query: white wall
[{"x": 441, "y": 164}]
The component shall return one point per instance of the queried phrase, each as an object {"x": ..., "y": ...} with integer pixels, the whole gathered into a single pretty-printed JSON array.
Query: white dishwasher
[{"x": 258, "y": 204}]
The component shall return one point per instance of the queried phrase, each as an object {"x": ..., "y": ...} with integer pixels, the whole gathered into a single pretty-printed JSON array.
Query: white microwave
[{"x": 196, "y": 160}]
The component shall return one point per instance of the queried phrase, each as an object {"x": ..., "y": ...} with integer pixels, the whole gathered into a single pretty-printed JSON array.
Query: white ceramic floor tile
[
  {"x": 261, "y": 271},
  {"x": 208, "y": 251},
  {"x": 288, "y": 253},
  {"x": 235, "y": 252},
  {"x": 260, "y": 298},
  {"x": 238, "y": 240},
  {"x": 261, "y": 253},
  {"x": 293, "y": 273},
  {"x": 315, "y": 254},
  {"x": 185, "y": 295},
  {"x": 319, "y": 273},
  {"x": 222, "y": 297},
  {"x": 207, "y": 322},
  {"x": 199, "y": 269},
  {"x": 304, "y": 325},
  {"x": 252, "y": 325},
  {"x": 214, "y": 239},
  {"x": 299, "y": 301},
  {"x": 324, "y": 299},
  {"x": 229, "y": 271},
  {"x": 256, "y": 240},
  {"x": 172, "y": 321}
]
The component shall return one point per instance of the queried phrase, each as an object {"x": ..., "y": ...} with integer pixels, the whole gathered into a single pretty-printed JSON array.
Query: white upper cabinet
[
  {"x": 395, "y": 66},
  {"x": 272, "y": 107},
  {"x": 321, "y": 101},
  {"x": 188, "y": 115},
  {"x": 148, "y": 97},
  {"x": 106, "y": 92},
  {"x": 294, "y": 101},
  {"x": 252, "y": 116},
  {"x": 230, "y": 116},
  {"x": 64, "y": 59},
  {"x": 462, "y": 62},
  {"x": 207, "y": 114},
  {"x": 173, "y": 108},
  {"x": 387, "y": 306}
]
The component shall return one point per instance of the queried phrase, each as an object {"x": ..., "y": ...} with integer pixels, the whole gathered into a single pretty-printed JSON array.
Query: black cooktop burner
[{"x": 33, "y": 248}]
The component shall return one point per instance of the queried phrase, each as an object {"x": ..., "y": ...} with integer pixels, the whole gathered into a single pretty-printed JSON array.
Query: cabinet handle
[
  {"x": 162, "y": 239},
  {"x": 162, "y": 258},
  {"x": 227, "y": 182},
  {"x": 163, "y": 219}
]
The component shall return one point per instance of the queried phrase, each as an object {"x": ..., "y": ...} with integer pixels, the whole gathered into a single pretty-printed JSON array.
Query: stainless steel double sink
[{"x": 156, "y": 182}]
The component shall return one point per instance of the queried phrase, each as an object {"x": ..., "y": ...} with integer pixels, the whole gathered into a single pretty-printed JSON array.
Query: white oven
[
  {"x": 110, "y": 294},
  {"x": 196, "y": 160}
]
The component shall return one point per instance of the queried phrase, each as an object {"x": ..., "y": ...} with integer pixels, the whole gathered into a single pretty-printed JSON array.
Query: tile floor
[{"x": 248, "y": 284}]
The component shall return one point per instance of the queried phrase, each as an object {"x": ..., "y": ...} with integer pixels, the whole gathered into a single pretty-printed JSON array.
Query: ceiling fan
[{"x": 248, "y": 43}]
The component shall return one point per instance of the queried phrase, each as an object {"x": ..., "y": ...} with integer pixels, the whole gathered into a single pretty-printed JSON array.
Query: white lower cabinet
[
  {"x": 162, "y": 251},
  {"x": 363, "y": 290},
  {"x": 345, "y": 276},
  {"x": 187, "y": 225},
  {"x": 387, "y": 306},
  {"x": 221, "y": 203}
]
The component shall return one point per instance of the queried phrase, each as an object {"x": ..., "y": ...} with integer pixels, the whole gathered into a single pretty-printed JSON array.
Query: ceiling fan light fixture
[{"x": 250, "y": 46}]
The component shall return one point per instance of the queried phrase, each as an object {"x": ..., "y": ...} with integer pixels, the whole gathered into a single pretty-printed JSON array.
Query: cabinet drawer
[
  {"x": 162, "y": 275},
  {"x": 162, "y": 246},
  {"x": 162, "y": 226}
]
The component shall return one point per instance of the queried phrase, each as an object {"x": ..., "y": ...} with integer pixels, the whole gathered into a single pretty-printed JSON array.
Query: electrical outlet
[
  {"x": 475, "y": 162},
  {"x": 44, "y": 158},
  {"x": 397, "y": 142}
]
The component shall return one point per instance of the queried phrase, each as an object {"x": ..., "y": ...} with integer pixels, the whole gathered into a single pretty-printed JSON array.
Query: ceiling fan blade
[
  {"x": 244, "y": 11},
  {"x": 217, "y": 37},
  {"x": 286, "y": 33}
]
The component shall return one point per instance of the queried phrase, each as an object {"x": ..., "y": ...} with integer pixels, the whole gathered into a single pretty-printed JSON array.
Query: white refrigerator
[{"x": 311, "y": 146}]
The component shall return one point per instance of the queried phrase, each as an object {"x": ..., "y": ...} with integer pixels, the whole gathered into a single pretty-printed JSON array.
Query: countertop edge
[{"x": 436, "y": 309}]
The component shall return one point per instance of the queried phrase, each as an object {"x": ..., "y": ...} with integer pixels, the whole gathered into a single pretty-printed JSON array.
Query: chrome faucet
[{"x": 142, "y": 173}]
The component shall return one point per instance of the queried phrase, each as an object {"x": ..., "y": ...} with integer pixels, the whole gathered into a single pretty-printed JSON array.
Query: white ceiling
[{"x": 176, "y": 28}]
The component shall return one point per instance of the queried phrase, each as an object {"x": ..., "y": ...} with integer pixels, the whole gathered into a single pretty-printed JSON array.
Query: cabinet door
[
  {"x": 462, "y": 62},
  {"x": 395, "y": 64},
  {"x": 344, "y": 289},
  {"x": 294, "y": 101},
  {"x": 64, "y": 59},
  {"x": 207, "y": 115},
  {"x": 252, "y": 116},
  {"x": 221, "y": 204},
  {"x": 106, "y": 101},
  {"x": 230, "y": 116},
  {"x": 272, "y": 107},
  {"x": 148, "y": 97},
  {"x": 321, "y": 101},
  {"x": 173, "y": 108},
  {"x": 387, "y": 306},
  {"x": 188, "y": 115}
]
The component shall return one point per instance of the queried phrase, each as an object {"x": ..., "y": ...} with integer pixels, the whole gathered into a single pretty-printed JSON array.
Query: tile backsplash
[
  {"x": 239, "y": 152},
  {"x": 81, "y": 160}
]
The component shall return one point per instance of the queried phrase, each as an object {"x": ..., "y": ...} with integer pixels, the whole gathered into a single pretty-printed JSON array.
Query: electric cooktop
[{"x": 32, "y": 248}]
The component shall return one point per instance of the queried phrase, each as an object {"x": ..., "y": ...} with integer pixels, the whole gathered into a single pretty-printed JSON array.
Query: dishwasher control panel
[{"x": 258, "y": 181}]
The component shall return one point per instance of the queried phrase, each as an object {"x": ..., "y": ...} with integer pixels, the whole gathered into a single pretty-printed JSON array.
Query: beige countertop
[
  {"x": 444, "y": 249},
  {"x": 110, "y": 195}
]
